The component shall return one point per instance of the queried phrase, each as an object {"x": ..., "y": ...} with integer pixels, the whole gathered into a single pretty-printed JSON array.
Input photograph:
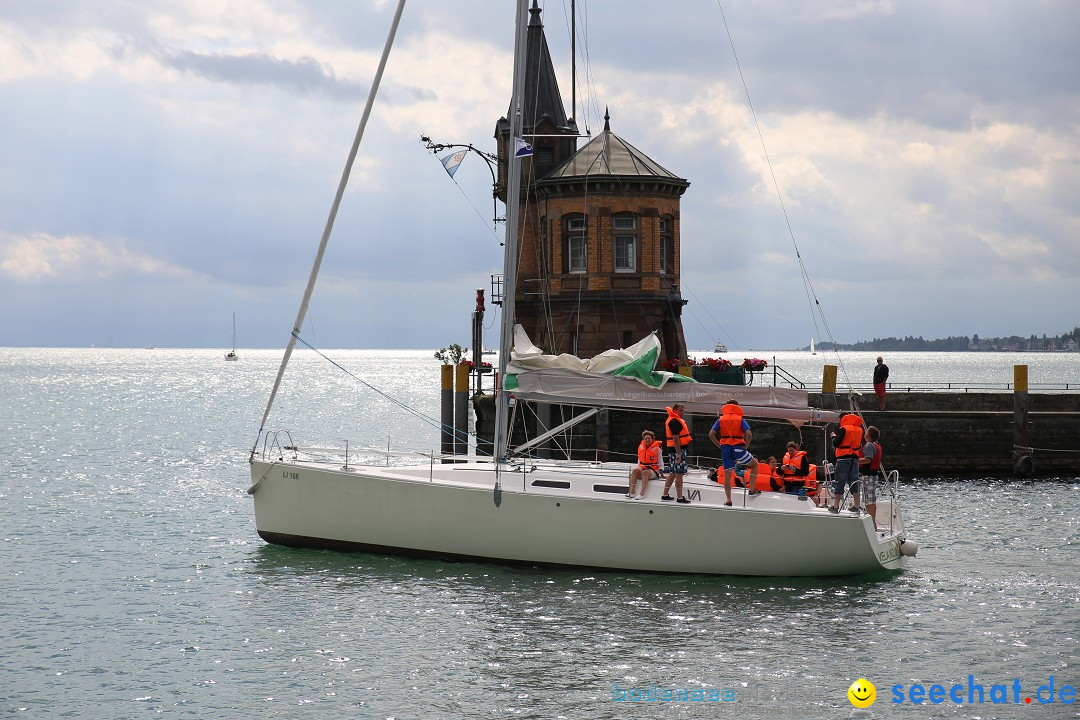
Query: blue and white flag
[
  {"x": 451, "y": 162},
  {"x": 522, "y": 148}
]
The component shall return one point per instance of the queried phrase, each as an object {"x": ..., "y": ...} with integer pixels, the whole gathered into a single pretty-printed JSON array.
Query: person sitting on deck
[
  {"x": 795, "y": 468},
  {"x": 648, "y": 453}
]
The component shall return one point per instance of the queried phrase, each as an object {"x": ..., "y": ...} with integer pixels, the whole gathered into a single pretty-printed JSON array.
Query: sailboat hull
[{"x": 449, "y": 511}]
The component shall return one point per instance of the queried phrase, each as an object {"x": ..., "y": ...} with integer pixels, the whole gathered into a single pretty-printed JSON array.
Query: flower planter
[{"x": 731, "y": 376}]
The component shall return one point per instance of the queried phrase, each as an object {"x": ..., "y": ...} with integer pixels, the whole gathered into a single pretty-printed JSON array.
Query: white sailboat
[
  {"x": 231, "y": 355},
  {"x": 812, "y": 350},
  {"x": 519, "y": 509}
]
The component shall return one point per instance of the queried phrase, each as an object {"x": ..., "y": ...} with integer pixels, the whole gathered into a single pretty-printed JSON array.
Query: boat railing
[
  {"x": 273, "y": 448},
  {"x": 780, "y": 377},
  {"x": 929, "y": 387}
]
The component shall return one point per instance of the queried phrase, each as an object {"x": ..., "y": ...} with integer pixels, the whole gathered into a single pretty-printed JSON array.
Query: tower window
[
  {"x": 625, "y": 227},
  {"x": 667, "y": 246},
  {"x": 577, "y": 246}
]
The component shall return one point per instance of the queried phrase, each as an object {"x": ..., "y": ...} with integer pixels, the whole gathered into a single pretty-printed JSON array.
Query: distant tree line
[{"x": 1069, "y": 341}]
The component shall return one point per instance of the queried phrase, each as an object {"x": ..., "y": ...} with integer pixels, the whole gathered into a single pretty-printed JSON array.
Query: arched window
[
  {"x": 625, "y": 230},
  {"x": 667, "y": 245},
  {"x": 576, "y": 244}
]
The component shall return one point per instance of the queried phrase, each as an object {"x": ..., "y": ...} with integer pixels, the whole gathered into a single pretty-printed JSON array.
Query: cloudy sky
[{"x": 166, "y": 163}]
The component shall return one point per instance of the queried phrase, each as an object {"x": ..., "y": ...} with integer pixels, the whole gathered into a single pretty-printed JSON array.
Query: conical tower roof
[
  {"x": 541, "y": 92},
  {"x": 607, "y": 154}
]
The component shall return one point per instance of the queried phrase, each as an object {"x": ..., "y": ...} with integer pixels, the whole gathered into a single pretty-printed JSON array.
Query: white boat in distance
[
  {"x": 519, "y": 509},
  {"x": 720, "y": 347},
  {"x": 231, "y": 355},
  {"x": 812, "y": 350}
]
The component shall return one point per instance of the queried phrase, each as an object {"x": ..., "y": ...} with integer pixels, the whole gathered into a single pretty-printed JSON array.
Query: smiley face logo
[{"x": 862, "y": 693}]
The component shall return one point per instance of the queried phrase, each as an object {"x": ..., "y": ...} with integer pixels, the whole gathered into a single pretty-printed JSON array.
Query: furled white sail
[{"x": 603, "y": 381}]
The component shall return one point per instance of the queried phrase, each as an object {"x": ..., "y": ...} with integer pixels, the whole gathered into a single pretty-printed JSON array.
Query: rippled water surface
[{"x": 135, "y": 585}]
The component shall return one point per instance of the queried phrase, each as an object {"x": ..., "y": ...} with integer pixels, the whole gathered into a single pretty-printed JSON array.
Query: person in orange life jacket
[
  {"x": 795, "y": 468},
  {"x": 648, "y": 453},
  {"x": 776, "y": 482},
  {"x": 847, "y": 440},
  {"x": 678, "y": 444},
  {"x": 870, "y": 466},
  {"x": 732, "y": 434},
  {"x": 767, "y": 475}
]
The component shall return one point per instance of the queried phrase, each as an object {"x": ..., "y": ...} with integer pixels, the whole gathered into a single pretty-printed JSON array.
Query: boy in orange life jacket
[
  {"x": 732, "y": 434},
  {"x": 870, "y": 466},
  {"x": 648, "y": 453},
  {"x": 678, "y": 443}
]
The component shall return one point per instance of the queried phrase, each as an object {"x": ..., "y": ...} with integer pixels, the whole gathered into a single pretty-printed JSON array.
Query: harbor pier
[{"x": 923, "y": 434}]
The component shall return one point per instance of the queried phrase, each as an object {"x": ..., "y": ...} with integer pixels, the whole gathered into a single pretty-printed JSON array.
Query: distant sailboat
[
  {"x": 812, "y": 351},
  {"x": 231, "y": 355}
]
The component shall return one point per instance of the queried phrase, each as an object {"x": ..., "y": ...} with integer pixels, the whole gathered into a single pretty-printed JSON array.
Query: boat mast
[
  {"x": 330, "y": 222},
  {"x": 513, "y": 212}
]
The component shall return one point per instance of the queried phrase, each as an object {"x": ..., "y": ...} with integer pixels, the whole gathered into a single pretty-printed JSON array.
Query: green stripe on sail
[
  {"x": 642, "y": 369},
  {"x": 511, "y": 382}
]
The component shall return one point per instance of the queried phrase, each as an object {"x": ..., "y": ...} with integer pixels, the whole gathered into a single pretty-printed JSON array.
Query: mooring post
[
  {"x": 828, "y": 387},
  {"x": 446, "y": 406},
  {"x": 461, "y": 411},
  {"x": 1025, "y": 463}
]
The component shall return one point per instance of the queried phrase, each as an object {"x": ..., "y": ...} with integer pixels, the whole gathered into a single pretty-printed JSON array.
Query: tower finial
[{"x": 607, "y": 120}]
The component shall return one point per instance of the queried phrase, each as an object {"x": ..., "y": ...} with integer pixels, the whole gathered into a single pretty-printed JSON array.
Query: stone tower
[{"x": 599, "y": 260}]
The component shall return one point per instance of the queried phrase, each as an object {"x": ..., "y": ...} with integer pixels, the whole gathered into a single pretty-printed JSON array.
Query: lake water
[{"x": 135, "y": 584}]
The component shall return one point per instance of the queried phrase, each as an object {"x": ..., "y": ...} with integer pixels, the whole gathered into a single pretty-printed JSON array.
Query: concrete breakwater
[{"x": 923, "y": 434}]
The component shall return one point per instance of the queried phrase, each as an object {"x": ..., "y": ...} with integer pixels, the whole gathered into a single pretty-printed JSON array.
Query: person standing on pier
[{"x": 881, "y": 374}]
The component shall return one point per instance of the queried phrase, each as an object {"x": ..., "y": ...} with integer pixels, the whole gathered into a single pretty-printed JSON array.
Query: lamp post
[{"x": 490, "y": 159}]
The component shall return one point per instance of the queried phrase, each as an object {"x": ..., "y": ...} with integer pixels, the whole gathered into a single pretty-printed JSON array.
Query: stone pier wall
[{"x": 923, "y": 434}]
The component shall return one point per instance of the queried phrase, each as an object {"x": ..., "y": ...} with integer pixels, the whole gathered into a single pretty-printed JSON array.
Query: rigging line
[
  {"x": 689, "y": 310},
  {"x": 429, "y": 420},
  {"x": 811, "y": 295},
  {"x": 330, "y": 220},
  {"x": 472, "y": 205},
  {"x": 711, "y": 317}
]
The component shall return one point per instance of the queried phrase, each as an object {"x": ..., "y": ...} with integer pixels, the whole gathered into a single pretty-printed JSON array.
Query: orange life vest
[
  {"x": 794, "y": 459},
  {"x": 853, "y": 435},
  {"x": 684, "y": 432},
  {"x": 649, "y": 455},
  {"x": 731, "y": 420},
  {"x": 811, "y": 482},
  {"x": 766, "y": 479}
]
